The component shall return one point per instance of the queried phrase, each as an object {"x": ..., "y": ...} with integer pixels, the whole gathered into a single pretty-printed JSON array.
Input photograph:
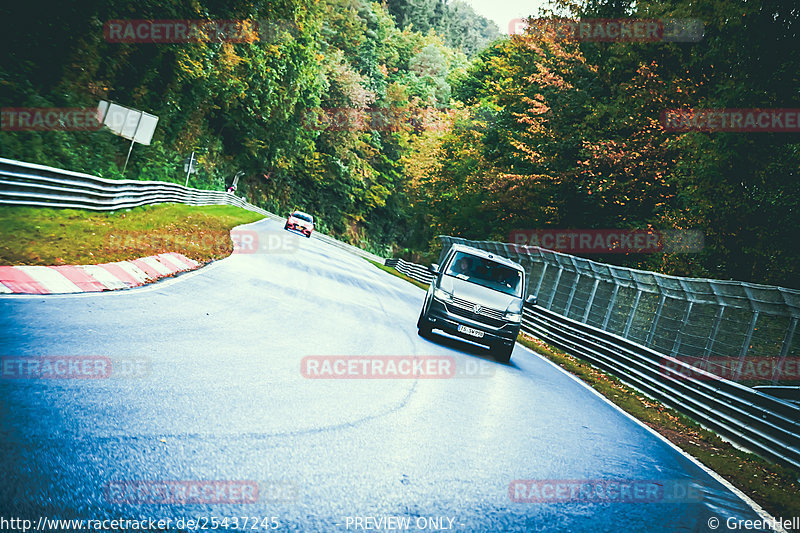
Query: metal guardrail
[
  {"x": 761, "y": 423},
  {"x": 28, "y": 184},
  {"x": 347, "y": 247},
  {"x": 750, "y": 416},
  {"x": 412, "y": 270},
  {"x": 691, "y": 318},
  {"x": 34, "y": 185}
]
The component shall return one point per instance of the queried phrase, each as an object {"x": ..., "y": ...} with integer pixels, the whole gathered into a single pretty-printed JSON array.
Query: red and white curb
[{"x": 91, "y": 278}]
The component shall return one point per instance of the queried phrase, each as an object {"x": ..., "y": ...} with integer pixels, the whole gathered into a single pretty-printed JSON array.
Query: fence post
[
  {"x": 555, "y": 287},
  {"x": 787, "y": 343},
  {"x": 574, "y": 287},
  {"x": 633, "y": 311},
  {"x": 591, "y": 300},
  {"x": 611, "y": 302},
  {"x": 676, "y": 345},
  {"x": 541, "y": 278},
  {"x": 651, "y": 336},
  {"x": 746, "y": 344},
  {"x": 711, "y": 338}
]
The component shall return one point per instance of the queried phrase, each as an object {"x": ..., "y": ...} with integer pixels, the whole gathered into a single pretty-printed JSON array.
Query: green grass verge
[
  {"x": 775, "y": 488},
  {"x": 44, "y": 236},
  {"x": 772, "y": 486},
  {"x": 400, "y": 275}
]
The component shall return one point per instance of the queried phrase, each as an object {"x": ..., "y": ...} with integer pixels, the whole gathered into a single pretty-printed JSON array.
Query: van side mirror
[
  {"x": 531, "y": 300},
  {"x": 434, "y": 268}
]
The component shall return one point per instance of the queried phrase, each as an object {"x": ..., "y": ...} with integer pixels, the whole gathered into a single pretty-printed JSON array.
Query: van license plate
[{"x": 470, "y": 331}]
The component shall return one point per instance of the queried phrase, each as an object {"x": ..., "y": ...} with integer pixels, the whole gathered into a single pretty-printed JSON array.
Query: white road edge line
[{"x": 753, "y": 505}]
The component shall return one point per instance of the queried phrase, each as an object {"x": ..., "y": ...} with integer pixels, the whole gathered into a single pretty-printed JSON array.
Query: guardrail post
[
  {"x": 555, "y": 287},
  {"x": 571, "y": 295},
  {"x": 714, "y": 330},
  {"x": 591, "y": 300},
  {"x": 651, "y": 336},
  {"x": 746, "y": 344},
  {"x": 611, "y": 302},
  {"x": 541, "y": 278},
  {"x": 749, "y": 337},
  {"x": 676, "y": 345},
  {"x": 630, "y": 316},
  {"x": 574, "y": 287},
  {"x": 787, "y": 343}
]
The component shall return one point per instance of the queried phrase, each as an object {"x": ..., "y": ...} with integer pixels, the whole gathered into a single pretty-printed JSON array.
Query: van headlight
[
  {"x": 442, "y": 296},
  {"x": 513, "y": 316}
]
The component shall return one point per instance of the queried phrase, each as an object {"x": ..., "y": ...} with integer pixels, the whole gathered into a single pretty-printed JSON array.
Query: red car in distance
[{"x": 299, "y": 221}]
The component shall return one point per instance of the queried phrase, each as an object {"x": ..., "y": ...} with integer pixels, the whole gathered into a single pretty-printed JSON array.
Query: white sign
[{"x": 131, "y": 124}]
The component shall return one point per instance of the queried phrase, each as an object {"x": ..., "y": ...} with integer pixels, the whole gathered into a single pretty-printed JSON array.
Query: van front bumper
[{"x": 439, "y": 317}]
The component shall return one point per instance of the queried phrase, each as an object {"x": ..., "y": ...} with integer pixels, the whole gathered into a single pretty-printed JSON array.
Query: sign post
[
  {"x": 139, "y": 121},
  {"x": 236, "y": 178},
  {"x": 137, "y": 126},
  {"x": 189, "y": 167}
]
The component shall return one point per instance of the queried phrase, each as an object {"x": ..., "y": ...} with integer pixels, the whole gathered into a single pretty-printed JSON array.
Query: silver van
[{"x": 478, "y": 296}]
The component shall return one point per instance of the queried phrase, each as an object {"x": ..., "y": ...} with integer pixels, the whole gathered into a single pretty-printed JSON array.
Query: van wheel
[
  {"x": 424, "y": 329},
  {"x": 502, "y": 353}
]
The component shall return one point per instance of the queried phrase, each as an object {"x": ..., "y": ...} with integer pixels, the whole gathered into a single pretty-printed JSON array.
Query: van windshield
[{"x": 486, "y": 272}]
